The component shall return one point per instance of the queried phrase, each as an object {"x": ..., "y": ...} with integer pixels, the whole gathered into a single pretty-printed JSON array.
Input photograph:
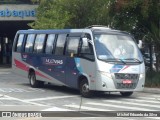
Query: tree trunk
[{"x": 150, "y": 57}]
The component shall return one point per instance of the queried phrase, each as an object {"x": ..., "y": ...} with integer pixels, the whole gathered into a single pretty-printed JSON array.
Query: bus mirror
[{"x": 85, "y": 42}]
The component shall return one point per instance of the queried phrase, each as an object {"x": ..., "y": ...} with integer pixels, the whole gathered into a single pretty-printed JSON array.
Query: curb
[
  {"x": 5, "y": 69},
  {"x": 152, "y": 90}
]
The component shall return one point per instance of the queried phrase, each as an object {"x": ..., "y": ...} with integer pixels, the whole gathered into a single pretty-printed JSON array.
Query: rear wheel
[
  {"x": 126, "y": 94},
  {"x": 33, "y": 82},
  {"x": 84, "y": 89}
]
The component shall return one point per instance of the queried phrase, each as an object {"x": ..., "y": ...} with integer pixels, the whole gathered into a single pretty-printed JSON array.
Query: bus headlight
[
  {"x": 106, "y": 74},
  {"x": 142, "y": 75}
]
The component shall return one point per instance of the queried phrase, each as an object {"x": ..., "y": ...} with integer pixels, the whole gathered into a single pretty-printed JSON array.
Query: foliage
[
  {"x": 50, "y": 14},
  {"x": 70, "y": 13},
  {"x": 152, "y": 79},
  {"x": 140, "y": 17}
]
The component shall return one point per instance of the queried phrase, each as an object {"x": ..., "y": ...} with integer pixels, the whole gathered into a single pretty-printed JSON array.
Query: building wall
[
  {"x": 13, "y": 17},
  {"x": 21, "y": 12}
]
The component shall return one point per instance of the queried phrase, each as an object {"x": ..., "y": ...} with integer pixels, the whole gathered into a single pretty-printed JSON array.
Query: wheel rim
[
  {"x": 85, "y": 88},
  {"x": 32, "y": 80}
]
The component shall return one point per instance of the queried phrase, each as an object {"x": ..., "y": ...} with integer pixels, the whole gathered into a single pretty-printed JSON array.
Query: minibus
[{"x": 95, "y": 58}]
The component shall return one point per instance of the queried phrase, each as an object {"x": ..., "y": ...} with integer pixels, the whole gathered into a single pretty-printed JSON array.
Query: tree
[
  {"x": 70, "y": 13},
  {"x": 50, "y": 15},
  {"x": 140, "y": 17}
]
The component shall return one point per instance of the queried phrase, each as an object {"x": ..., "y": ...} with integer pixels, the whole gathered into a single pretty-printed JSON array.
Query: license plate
[{"x": 127, "y": 81}]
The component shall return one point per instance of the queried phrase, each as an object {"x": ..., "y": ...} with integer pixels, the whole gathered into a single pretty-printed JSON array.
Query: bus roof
[
  {"x": 52, "y": 31},
  {"x": 94, "y": 29}
]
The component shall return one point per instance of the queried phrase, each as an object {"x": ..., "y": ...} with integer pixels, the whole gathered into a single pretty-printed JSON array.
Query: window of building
[
  {"x": 39, "y": 43},
  {"x": 29, "y": 43},
  {"x": 60, "y": 44},
  {"x": 19, "y": 43},
  {"x": 50, "y": 44},
  {"x": 72, "y": 46}
]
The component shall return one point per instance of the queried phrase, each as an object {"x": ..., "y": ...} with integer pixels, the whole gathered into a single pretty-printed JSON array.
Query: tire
[
  {"x": 33, "y": 82},
  {"x": 126, "y": 94},
  {"x": 84, "y": 89}
]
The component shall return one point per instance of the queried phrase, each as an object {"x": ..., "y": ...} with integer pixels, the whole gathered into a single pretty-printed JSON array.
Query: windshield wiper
[
  {"x": 134, "y": 59},
  {"x": 115, "y": 60}
]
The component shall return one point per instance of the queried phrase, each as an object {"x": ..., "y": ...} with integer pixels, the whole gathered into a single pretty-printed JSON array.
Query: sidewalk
[
  {"x": 152, "y": 90},
  {"x": 5, "y": 66}
]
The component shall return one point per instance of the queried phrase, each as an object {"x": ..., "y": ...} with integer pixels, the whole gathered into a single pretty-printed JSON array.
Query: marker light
[{"x": 142, "y": 75}]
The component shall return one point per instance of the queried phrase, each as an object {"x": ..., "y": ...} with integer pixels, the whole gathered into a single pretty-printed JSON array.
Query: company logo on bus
[
  {"x": 24, "y": 57},
  {"x": 49, "y": 61}
]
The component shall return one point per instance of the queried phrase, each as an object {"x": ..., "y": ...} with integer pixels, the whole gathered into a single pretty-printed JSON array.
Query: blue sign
[{"x": 17, "y": 13}]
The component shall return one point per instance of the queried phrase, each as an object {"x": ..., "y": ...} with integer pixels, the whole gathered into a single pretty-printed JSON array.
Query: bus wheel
[
  {"x": 126, "y": 94},
  {"x": 33, "y": 82},
  {"x": 84, "y": 89}
]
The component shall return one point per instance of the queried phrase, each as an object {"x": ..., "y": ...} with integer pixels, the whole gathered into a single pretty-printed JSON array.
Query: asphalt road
[{"x": 17, "y": 95}]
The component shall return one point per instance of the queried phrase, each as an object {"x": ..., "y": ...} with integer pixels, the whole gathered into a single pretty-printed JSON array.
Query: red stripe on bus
[
  {"x": 20, "y": 65},
  {"x": 24, "y": 67},
  {"x": 125, "y": 68}
]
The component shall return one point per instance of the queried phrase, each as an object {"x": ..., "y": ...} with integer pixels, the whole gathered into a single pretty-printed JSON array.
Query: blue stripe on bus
[{"x": 78, "y": 65}]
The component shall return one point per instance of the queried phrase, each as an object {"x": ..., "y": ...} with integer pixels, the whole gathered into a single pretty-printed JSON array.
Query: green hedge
[{"x": 152, "y": 79}]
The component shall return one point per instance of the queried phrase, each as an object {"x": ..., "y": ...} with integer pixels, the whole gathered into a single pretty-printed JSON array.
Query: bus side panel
[
  {"x": 22, "y": 62},
  {"x": 86, "y": 68},
  {"x": 47, "y": 68},
  {"x": 18, "y": 66},
  {"x": 54, "y": 66}
]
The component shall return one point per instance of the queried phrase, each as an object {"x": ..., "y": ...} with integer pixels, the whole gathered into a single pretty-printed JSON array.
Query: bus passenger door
[{"x": 71, "y": 69}]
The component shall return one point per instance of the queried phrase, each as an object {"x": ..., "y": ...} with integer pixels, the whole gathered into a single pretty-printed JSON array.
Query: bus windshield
[{"x": 117, "y": 48}]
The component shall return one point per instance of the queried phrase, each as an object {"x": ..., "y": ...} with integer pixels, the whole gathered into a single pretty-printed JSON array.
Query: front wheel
[
  {"x": 126, "y": 94},
  {"x": 33, "y": 82},
  {"x": 84, "y": 89}
]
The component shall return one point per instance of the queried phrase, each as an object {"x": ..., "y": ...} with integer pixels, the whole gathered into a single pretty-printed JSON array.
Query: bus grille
[
  {"x": 119, "y": 77},
  {"x": 126, "y": 86},
  {"x": 126, "y": 76}
]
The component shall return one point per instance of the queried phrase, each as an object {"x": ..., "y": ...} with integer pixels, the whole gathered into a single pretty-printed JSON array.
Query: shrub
[{"x": 152, "y": 79}]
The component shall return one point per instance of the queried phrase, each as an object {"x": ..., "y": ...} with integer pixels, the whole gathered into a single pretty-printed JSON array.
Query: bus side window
[
  {"x": 19, "y": 43},
  {"x": 39, "y": 43},
  {"x": 29, "y": 43},
  {"x": 87, "y": 51},
  {"x": 60, "y": 44},
  {"x": 50, "y": 44},
  {"x": 72, "y": 46}
]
